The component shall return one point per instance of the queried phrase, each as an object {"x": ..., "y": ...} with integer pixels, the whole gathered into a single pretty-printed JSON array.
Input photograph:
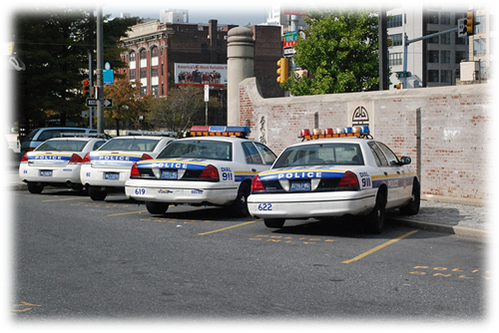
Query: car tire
[
  {"x": 274, "y": 223},
  {"x": 412, "y": 208},
  {"x": 376, "y": 219},
  {"x": 239, "y": 207},
  {"x": 96, "y": 194},
  {"x": 156, "y": 208},
  {"x": 35, "y": 188}
]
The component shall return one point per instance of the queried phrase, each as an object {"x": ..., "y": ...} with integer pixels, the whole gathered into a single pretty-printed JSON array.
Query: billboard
[{"x": 201, "y": 74}]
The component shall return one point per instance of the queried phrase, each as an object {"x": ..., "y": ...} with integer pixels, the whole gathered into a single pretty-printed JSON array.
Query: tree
[
  {"x": 128, "y": 104},
  {"x": 179, "y": 111},
  {"x": 340, "y": 51}
]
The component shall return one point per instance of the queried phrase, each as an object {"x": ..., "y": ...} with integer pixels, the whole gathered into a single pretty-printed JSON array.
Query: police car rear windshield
[
  {"x": 321, "y": 154},
  {"x": 62, "y": 145},
  {"x": 202, "y": 149},
  {"x": 130, "y": 144}
]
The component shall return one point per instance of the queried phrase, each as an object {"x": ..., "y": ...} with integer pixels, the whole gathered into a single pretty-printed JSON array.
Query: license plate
[
  {"x": 45, "y": 173},
  {"x": 168, "y": 174},
  {"x": 111, "y": 175},
  {"x": 300, "y": 186}
]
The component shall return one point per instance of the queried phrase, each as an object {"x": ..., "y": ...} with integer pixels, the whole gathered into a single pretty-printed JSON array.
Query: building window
[
  {"x": 143, "y": 54},
  {"x": 433, "y": 76},
  {"x": 154, "y": 52},
  {"x": 479, "y": 46},
  {"x": 445, "y": 18},
  {"x": 460, "y": 56},
  {"x": 445, "y": 76},
  {"x": 445, "y": 38},
  {"x": 394, "y": 21},
  {"x": 445, "y": 57},
  {"x": 131, "y": 57},
  {"x": 132, "y": 75},
  {"x": 396, "y": 39},
  {"x": 433, "y": 56},
  {"x": 433, "y": 17},
  {"x": 154, "y": 71},
  {"x": 143, "y": 90},
  {"x": 143, "y": 73},
  {"x": 433, "y": 40},
  {"x": 460, "y": 40},
  {"x": 395, "y": 59},
  {"x": 481, "y": 24},
  {"x": 154, "y": 90}
]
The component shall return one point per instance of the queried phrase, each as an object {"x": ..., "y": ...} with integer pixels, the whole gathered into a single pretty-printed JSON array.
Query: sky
[{"x": 226, "y": 12}]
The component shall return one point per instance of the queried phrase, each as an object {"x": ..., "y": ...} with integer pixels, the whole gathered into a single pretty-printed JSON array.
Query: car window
[
  {"x": 251, "y": 153},
  {"x": 267, "y": 154},
  {"x": 31, "y": 134},
  {"x": 202, "y": 149},
  {"x": 321, "y": 154},
  {"x": 62, "y": 145},
  {"x": 390, "y": 155},
  {"x": 130, "y": 144},
  {"x": 97, "y": 144},
  {"x": 378, "y": 155}
]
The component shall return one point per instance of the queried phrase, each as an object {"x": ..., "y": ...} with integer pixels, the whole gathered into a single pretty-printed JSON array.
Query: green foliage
[{"x": 340, "y": 52}]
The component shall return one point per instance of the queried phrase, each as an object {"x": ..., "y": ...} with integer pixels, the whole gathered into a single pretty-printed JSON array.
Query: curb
[{"x": 457, "y": 230}]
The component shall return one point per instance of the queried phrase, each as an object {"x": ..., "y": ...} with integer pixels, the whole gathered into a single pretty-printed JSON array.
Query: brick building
[{"x": 154, "y": 49}]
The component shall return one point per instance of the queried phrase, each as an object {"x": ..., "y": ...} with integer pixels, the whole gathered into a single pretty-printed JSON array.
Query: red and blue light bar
[
  {"x": 355, "y": 131},
  {"x": 239, "y": 131}
]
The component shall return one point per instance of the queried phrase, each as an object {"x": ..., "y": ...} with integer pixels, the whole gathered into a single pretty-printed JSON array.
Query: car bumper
[
  {"x": 300, "y": 205},
  {"x": 181, "y": 192},
  {"x": 100, "y": 176},
  {"x": 66, "y": 174}
]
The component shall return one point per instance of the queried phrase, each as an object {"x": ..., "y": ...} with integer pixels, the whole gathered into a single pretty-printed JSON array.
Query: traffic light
[
  {"x": 283, "y": 70},
  {"x": 85, "y": 89},
  {"x": 469, "y": 23}
]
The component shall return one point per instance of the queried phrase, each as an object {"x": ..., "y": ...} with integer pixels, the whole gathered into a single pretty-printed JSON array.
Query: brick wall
[{"x": 452, "y": 122}]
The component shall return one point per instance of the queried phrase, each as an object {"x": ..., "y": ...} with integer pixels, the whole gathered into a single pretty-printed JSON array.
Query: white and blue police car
[
  {"x": 344, "y": 172},
  {"x": 57, "y": 161},
  {"x": 214, "y": 166},
  {"x": 108, "y": 168}
]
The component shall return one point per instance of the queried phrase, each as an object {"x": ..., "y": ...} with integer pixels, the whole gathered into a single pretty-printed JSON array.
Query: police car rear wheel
[
  {"x": 239, "y": 207},
  {"x": 97, "y": 194},
  {"x": 156, "y": 208},
  {"x": 376, "y": 219},
  {"x": 35, "y": 188},
  {"x": 412, "y": 208},
  {"x": 274, "y": 223}
]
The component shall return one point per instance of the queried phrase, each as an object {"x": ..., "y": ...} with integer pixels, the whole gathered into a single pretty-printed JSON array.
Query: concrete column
[{"x": 240, "y": 66}]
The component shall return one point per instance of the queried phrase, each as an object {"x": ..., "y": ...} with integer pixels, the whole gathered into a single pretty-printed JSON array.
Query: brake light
[
  {"x": 24, "y": 158},
  {"x": 75, "y": 158},
  {"x": 256, "y": 185},
  {"x": 86, "y": 159},
  {"x": 134, "y": 172},
  {"x": 146, "y": 157},
  {"x": 210, "y": 173},
  {"x": 349, "y": 181}
]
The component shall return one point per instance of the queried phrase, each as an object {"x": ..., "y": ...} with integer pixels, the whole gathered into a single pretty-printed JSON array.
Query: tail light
[
  {"x": 210, "y": 173},
  {"x": 349, "y": 181},
  {"x": 86, "y": 159},
  {"x": 256, "y": 185},
  {"x": 24, "y": 158},
  {"x": 76, "y": 159},
  {"x": 146, "y": 157},
  {"x": 134, "y": 172}
]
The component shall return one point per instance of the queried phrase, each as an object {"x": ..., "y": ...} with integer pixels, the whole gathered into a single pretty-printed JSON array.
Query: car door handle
[
  {"x": 386, "y": 173},
  {"x": 254, "y": 170},
  {"x": 398, "y": 173}
]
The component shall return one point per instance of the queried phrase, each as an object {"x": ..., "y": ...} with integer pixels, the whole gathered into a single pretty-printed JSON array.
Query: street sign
[
  {"x": 107, "y": 102},
  {"x": 461, "y": 28},
  {"x": 293, "y": 8},
  {"x": 290, "y": 39},
  {"x": 403, "y": 74}
]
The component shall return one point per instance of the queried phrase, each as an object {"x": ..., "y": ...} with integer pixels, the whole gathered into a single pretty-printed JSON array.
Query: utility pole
[
  {"x": 100, "y": 67},
  {"x": 383, "y": 49},
  {"x": 91, "y": 109}
]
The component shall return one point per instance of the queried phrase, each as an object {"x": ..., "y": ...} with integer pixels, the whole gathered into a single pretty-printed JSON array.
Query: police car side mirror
[{"x": 405, "y": 160}]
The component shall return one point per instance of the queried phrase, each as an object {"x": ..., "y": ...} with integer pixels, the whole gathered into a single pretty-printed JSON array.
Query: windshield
[
  {"x": 62, "y": 145},
  {"x": 203, "y": 149},
  {"x": 130, "y": 144},
  {"x": 321, "y": 154}
]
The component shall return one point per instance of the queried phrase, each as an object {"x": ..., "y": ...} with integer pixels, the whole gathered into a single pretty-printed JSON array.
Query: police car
[
  {"x": 57, "y": 161},
  {"x": 214, "y": 166},
  {"x": 335, "y": 173},
  {"x": 109, "y": 167}
]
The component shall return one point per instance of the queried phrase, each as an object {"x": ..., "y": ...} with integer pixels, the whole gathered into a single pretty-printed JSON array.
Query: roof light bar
[
  {"x": 356, "y": 131},
  {"x": 170, "y": 134},
  {"x": 239, "y": 131}
]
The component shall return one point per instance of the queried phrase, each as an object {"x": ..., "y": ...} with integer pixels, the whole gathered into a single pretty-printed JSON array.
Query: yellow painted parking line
[
  {"x": 128, "y": 213},
  {"x": 66, "y": 199},
  {"x": 379, "y": 247},
  {"x": 226, "y": 228}
]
